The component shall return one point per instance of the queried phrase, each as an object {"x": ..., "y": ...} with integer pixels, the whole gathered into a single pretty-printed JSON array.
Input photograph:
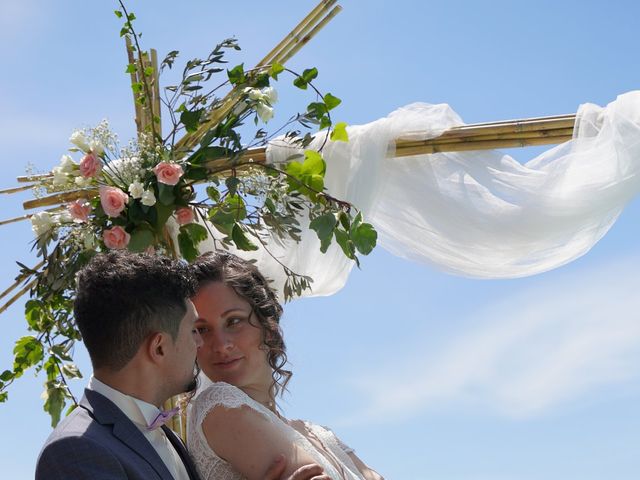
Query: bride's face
[{"x": 232, "y": 350}]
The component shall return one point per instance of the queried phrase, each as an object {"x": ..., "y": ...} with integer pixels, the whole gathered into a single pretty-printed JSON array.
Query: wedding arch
[{"x": 426, "y": 186}]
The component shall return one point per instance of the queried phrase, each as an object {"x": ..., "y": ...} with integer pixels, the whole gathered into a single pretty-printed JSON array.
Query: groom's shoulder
[{"x": 75, "y": 441}]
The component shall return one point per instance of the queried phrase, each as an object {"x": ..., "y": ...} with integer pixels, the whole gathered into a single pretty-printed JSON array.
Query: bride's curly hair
[{"x": 247, "y": 281}]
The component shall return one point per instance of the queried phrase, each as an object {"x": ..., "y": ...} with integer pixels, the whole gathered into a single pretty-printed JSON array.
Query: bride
[{"x": 234, "y": 428}]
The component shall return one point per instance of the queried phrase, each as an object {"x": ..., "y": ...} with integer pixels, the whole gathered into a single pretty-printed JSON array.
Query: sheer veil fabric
[{"x": 478, "y": 214}]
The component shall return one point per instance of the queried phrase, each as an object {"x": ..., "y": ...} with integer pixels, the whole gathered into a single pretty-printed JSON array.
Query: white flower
[
  {"x": 270, "y": 95},
  {"x": 83, "y": 182},
  {"x": 63, "y": 217},
  {"x": 96, "y": 147},
  {"x": 41, "y": 222},
  {"x": 253, "y": 93},
  {"x": 265, "y": 112},
  {"x": 67, "y": 165},
  {"x": 79, "y": 140},
  {"x": 136, "y": 189},
  {"x": 59, "y": 177},
  {"x": 148, "y": 198}
]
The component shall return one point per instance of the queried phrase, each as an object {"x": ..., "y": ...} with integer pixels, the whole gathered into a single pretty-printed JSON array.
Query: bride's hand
[{"x": 308, "y": 472}]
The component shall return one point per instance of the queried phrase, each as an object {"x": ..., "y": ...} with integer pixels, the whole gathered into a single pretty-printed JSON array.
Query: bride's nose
[{"x": 221, "y": 342}]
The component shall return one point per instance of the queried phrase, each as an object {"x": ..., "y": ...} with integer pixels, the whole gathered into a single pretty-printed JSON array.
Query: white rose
[
  {"x": 79, "y": 140},
  {"x": 136, "y": 189},
  {"x": 41, "y": 222},
  {"x": 265, "y": 112},
  {"x": 83, "y": 182},
  {"x": 67, "y": 165},
  {"x": 148, "y": 198},
  {"x": 59, "y": 177},
  {"x": 270, "y": 95}
]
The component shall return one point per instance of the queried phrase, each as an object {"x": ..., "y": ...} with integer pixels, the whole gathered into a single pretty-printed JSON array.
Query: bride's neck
[{"x": 261, "y": 396}]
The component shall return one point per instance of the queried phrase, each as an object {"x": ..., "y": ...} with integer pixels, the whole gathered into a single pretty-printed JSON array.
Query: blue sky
[{"x": 426, "y": 375}]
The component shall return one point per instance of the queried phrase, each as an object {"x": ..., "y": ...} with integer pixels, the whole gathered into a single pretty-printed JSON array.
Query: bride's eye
[
  {"x": 201, "y": 330},
  {"x": 233, "y": 321}
]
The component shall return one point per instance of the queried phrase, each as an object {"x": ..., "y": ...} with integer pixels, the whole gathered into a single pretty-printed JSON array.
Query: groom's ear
[{"x": 156, "y": 346}]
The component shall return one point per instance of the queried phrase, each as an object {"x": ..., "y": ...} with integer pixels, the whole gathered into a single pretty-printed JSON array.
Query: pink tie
[{"x": 162, "y": 418}]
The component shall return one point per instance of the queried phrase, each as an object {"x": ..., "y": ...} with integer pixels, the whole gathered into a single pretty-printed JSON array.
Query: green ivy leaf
[
  {"x": 235, "y": 205},
  {"x": 197, "y": 232},
  {"x": 222, "y": 220},
  {"x": 131, "y": 68},
  {"x": 71, "y": 371},
  {"x": 187, "y": 248},
  {"x": 339, "y": 133},
  {"x": 191, "y": 119},
  {"x": 324, "y": 226},
  {"x": 141, "y": 239},
  {"x": 310, "y": 74},
  {"x": 300, "y": 83},
  {"x": 275, "y": 70},
  {"x": 364, "y": 238},
  {"x": 236, "y": 75},
  {"x": 165, "y": 194},
  {"x": 118, "y": 13},
  {"x": 232, "y": 184},
  {"x": 313, "y": 163},
  {"x": 54, "y": 397},
  {"x": 331, "y": 102},
  {"x": 213, "y": 193},
  {"x": 241, "y": 240},
  {"x": 28, "y": 351}
]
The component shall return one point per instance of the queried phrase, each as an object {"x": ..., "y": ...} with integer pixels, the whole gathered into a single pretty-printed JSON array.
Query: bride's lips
[{"x": 227, "y": 364}]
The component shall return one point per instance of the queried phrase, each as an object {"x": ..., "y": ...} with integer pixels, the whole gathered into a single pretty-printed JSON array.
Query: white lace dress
[{"x": 211, "y": 467}]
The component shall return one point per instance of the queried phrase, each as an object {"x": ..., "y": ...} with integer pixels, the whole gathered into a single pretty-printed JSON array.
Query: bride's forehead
[{"x": 217, "y": 296}]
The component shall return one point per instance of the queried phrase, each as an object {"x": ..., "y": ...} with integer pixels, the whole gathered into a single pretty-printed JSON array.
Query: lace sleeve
[{"x": 209, "y": 465}]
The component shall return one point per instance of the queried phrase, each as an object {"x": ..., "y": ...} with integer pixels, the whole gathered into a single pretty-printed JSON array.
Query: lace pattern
[{"x": 211, "y": 467}]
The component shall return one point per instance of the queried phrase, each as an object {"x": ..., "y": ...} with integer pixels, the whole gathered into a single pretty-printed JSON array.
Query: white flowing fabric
[{"x": 478, "y": 214}]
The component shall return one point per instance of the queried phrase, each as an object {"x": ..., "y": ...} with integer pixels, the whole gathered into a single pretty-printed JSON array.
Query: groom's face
[{"x": 182, "y": 363}]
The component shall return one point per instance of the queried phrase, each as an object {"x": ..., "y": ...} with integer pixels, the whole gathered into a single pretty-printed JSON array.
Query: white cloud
[{"x": 535, "y": 351}]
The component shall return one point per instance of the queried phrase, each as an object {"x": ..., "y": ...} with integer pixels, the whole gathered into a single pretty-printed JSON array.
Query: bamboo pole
[
  {"x": 557, "y": 132},
  {"x": 298, "y": 30},
  {"x": 19, "y": 280},
  {"x": 402, "y": 151},
  {"x": 134, "y": 79},
  {"x": 189, "y": 140},
  {"x": 336, "y": 10},
  {"x": 13, "y": 299},
  {"x": 62, "y": 197},
  {"x": 156, "y": 116},
  {"x": 34, "y": 178},
  {"x": 17, "y": 189}
]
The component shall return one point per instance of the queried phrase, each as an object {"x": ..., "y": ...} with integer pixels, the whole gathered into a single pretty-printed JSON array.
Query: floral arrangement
[{"x": 199, "y": 177}]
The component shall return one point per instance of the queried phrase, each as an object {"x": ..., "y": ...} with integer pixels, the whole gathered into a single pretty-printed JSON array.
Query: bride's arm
[
  {"x": 366, "y": 472},
  {"x": 250, "y": 442}
]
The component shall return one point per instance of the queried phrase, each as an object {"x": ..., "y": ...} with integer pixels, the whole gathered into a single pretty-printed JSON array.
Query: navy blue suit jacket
[{"x": 98, "y": 442}]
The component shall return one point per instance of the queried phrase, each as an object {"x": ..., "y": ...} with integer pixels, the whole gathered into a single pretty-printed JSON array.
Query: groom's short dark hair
[{"x": 122, "y": 297}]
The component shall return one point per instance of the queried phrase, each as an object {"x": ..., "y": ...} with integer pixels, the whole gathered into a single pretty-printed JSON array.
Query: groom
[{"x": 136, "y": 320}]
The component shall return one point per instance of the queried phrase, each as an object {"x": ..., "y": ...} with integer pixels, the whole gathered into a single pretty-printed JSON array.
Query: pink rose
[
  {"x": 90, "y": 165},
  {"x": 184, "y": 215},
  {"x": 80, "y": 210},
  {"x": 116, "y": 238},
  {"x": 113, "y": 200},
  {"x": 168, "y": 173}
]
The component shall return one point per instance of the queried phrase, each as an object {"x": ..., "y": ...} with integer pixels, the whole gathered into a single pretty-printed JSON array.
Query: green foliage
[{"x": 244, "y": 201}]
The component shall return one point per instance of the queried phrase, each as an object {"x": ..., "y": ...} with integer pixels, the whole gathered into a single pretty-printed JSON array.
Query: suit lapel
[
  {"x": 184, "y": 455},
  {"x": 107, "y": 413}
]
